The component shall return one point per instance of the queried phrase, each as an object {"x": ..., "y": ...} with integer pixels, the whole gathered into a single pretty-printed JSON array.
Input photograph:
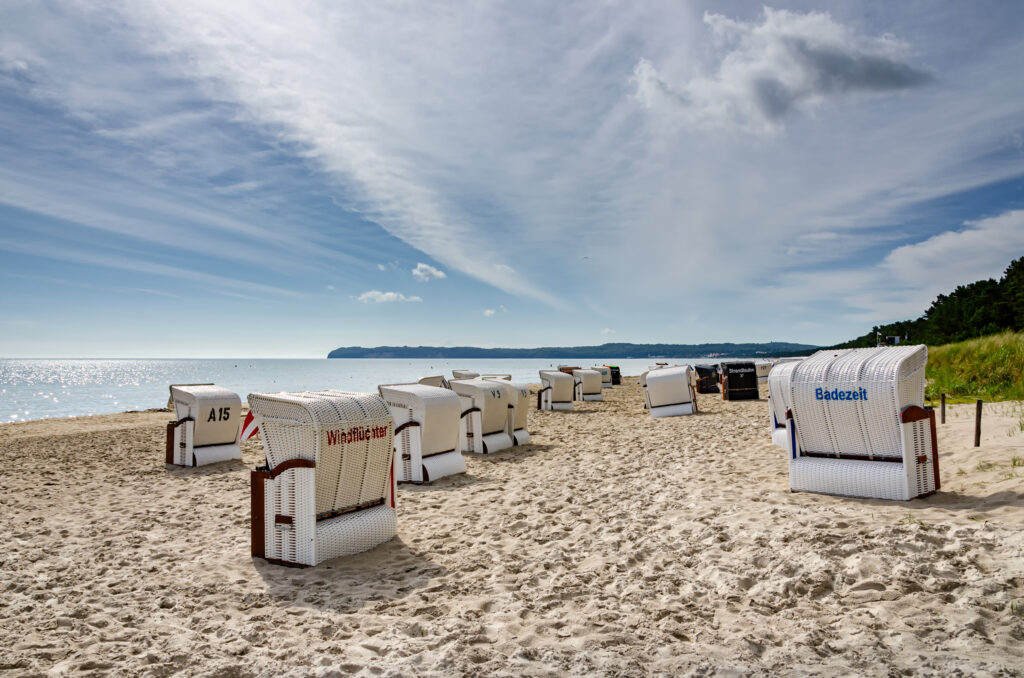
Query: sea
[{"x": 41, "y": 389}]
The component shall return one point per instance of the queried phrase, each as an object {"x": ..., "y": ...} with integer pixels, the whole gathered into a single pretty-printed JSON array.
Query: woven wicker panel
[
  {"x": 778, "y": 389},
  {"x": 354, "y": 533},
  {"x": 849, "y": 477}
]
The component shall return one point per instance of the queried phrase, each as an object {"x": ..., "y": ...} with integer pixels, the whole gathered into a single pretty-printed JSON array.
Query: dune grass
[{"x": 990, "y": 368}]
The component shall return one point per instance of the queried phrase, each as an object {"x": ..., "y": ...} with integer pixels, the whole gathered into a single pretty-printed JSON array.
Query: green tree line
[{"x": 979, "y": 309}]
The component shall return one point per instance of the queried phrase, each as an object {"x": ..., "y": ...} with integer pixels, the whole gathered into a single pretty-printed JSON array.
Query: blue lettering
[{"x": 817, "y": 393}]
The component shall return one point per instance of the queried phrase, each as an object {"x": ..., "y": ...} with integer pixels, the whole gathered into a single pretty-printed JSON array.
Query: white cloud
[
  {"x": 378, "y": 297},
  {"x": 381, "y": 267},
  {"x": 424, "y": 272},
  {"x": 330, "y": 287},
  {"x": 607, "y": 330},
  {"x": 488, "y": 312},
  {"x": 789, "y": 61}
]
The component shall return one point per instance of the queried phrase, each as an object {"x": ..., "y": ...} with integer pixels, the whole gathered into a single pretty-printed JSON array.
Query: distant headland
[{"x": 604, "y": 351}]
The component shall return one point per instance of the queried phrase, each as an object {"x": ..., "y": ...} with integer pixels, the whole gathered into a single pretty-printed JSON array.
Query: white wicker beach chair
[
  {"x": 426, "y": 431},
  {"x": 643, "y": 380},
  {"x": 669, "y": 392},
  {"x": 556, "y": 390},
  {"x": 328, "y": 489},
  {"x": 587, "y": 385},
  {"x": 779, "y": 402},
  {"x": 606, "y": 375},
  {"x": 439, "y": 381},
  {"x": 206, "y": 428},
  {"x": 464, "y": 374},
  {"x": 762, "y": 368},
  {"x": 857, "y": 425},
  {"x": 483, "y": 427},
  {"x": 519, "y": 399}
]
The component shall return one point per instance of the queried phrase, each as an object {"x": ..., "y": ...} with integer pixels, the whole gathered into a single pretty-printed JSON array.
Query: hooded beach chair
[
  {"x": 857, "y": 424},
  {"x": 643, "y": 381},
  {"x": 669, "y": 392},
  {"x": 707, "y": 378},
  {"x": 616, "y": 374},
  {"x": 556, "y": 390},
  {"x": 587, "y": 385},
  {"x": 778, "y": 401},
  {"x": 762, "y": 368},
  {"x": 207, "y": 425},
  {"x": 426, "y": 431},
  {"x": 439, "y": 381},
  {"x": 464, "y": 374},
  {"x": 519, "y": 399},
  {"x": 328, "y": 487},
  {"x": 606, "y": 375},
  {"x": 483, "y": 426},
  {"x": 568, "y": 369},
  {"x": 739, "y": 381}
]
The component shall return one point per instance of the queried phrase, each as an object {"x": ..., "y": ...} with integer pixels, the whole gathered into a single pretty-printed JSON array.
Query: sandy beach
[{"x": 614, "y": 545}]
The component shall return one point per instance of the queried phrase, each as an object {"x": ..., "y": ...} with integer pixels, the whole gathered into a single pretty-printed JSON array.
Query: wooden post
[
  {"x": 943, "y": 410},
  {"x": 977, "y": 426}
]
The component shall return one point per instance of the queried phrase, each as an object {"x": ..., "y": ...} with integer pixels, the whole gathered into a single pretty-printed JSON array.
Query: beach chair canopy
[
  {"x": 590, "y": 381},
  {"x": 519, "y": 397},
  {"x": 206, "y": 427},
  {"x": 739, "y": 381},
  {"x": 465, "y": 374},
  {"x": 426, "y": 431},
  {"x": 437, "y": 381},
  {"x": 669, "y": 392},
  {"x": 606, "y": 374}
]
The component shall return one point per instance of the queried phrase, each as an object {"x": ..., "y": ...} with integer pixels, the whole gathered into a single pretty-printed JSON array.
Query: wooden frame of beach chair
[
  {"x": 587, "y": 385},
  {"x": 519, "y": 399},
  {"x": 556, "y": 390},
  {"x": 426, "y": 431},
  {"x": 207, "y": 425},
  {"x": 483, "y": 426},
  {"x": 669, "y": 392},
  {"x": 857, "y": 424},
  {"x": 739, "y": 381},
  {"x": 328, "y": 487}
]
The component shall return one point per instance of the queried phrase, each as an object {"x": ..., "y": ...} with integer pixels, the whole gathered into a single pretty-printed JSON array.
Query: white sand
[{"x": 615, "y": 545}]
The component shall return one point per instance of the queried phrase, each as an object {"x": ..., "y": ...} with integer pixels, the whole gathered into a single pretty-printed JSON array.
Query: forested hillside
[{"x": 979, "y": 309}]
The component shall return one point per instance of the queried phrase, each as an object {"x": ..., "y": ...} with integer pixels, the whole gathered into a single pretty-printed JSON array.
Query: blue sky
[{"x": 268, "y": 179}]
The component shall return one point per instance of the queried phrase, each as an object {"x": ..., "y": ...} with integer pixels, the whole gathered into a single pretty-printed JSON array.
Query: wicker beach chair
[
  {"x": 739, "y": 381},
  {"x": 426, "y": 431},
  {"x": 779, "y": 401},
  {"x": 707, "y": 378},
  {"x": 587, "y": 385},
  {"x": 762, "y": 368},
  {"x": 207, "y": 425},
  {"x": 568, "y": 369},
  {"x": 328, "y": 487},
  {"x": 616, "y": 374},
  {"x": 483, "y": 426},
  {"x": 464, "y": 374},
  {"x": 606, "y": 375},
  {"x": 643, "y": 381},
  {"x": 439, "y": 381},
  {"x": 857, "y": 425},
  {"x": 669, "y": 392},
  {"x": 556, "y": 390},
  {"x": 519, "y": 399}
]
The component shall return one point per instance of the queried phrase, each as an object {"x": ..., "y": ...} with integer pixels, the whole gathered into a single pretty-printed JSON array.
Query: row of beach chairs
[{"x": 853, "y": 423}]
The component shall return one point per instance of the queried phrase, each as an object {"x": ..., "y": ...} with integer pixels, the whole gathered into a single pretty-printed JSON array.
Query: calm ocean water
[{"x": 39, "y": 389}]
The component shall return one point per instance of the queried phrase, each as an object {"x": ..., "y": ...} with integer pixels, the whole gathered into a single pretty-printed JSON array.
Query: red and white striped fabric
[{"x": 249, "y": 427}]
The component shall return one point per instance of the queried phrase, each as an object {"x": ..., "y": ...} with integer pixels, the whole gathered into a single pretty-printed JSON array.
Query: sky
[{"x": 276, "y": 179}]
